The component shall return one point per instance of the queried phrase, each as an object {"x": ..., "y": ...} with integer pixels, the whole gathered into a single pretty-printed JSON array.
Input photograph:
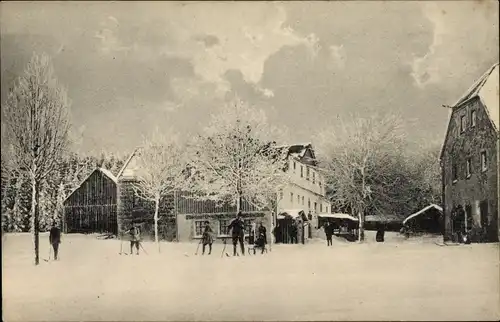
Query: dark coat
[
  {"x": 207, "y": 237},
  {"x": 55, "y": 235},
  {"x": 237, "y": 227}
]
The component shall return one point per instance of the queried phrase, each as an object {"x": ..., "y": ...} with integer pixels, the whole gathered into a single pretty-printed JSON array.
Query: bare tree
[
  {"x": 162, "y": 166},
  {"x": 236, "y": 160},
  {"x": 359, "y": 162},
  {"x": 37, "y": 123}
]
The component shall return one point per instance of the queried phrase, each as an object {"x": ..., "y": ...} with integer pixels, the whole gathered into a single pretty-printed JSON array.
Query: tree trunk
[
  {"x": 361, "y": 219},
  {"x": 34, "y": 217},
  {"x": 157, "y": 206}
]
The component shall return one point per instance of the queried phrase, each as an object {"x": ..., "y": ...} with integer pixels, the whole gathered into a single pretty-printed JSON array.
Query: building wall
[
  {"x": 480, "y": 186},
  {"x": 92, "y": 206},
  {"x": 187, "y": 224},
  {"x": 306, "y": 192},
  {"x": 132, "y": 209}
]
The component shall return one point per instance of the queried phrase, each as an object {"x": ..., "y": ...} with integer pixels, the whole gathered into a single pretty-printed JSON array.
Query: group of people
[{"x": 237, "y": 227}]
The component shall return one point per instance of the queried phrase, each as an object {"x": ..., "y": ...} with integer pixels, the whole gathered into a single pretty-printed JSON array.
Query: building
[
  {"x": 469, "y": 162},
  {"x": 306, "y": 191},
  {"x": 182, "y": 216},
  {"x": 428, "y": 220},
  {"x": 92, "y": 206},
  {"x": 133, "y": 209}
]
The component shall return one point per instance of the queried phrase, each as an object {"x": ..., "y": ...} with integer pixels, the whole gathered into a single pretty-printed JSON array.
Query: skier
[
  {"x": 207, "y": 238},
  {"x": 55, "y": 238},
  {"x": 237, "y": 227},
  {"x": 135, "y": 238}
]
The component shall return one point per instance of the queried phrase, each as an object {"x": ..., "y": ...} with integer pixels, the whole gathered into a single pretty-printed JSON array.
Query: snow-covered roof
[
  {"x": 438, "y": 208},
  {"x": 382, "y": 218},
  {"x": 486, "y": 88},
  {"x": 125, "y": 165},
  {"x": 106, "y": 172},
  {"x": 294, "y": 213},
  {"x": 338, "y": 216}
]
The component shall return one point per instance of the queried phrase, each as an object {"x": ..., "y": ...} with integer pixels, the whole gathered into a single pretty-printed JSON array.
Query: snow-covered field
[{"x": 396, "y": 280}]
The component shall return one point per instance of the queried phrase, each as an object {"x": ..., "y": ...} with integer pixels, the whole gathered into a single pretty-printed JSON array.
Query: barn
[{"x": 91, "y": 207}]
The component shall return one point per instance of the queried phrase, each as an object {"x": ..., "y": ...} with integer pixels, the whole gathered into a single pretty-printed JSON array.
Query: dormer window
[
  {"x": 484, "y": 161},
  {"x": 473, "y": 118},
  {"x": 463, "y": 124},
  {"x": 469, "y": 167}
]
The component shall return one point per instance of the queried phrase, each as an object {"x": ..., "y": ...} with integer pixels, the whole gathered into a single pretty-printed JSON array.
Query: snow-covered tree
[
  {"x": 35, "y": 114},
  {"x": 162, "y": 167},
  {"x": 362, "y": 160},
  {"x": 235, "y": 159}
]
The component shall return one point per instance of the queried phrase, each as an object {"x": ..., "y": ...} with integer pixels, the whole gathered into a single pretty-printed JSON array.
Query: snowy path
[{"x": 390, "y": 281}]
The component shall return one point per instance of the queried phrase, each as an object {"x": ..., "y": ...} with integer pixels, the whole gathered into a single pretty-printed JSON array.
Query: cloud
[
  {"x": 464, "y": 34},
  {"x": 337, "y": 56}
]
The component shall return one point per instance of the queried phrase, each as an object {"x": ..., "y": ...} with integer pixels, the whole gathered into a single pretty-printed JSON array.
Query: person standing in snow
[
  {"x": 135, "y": 238},
  {"x": 207, "y": 238},
  {"x": 237, "y": 227},
  {"x": 55, "y": 238},
  {"x": 329, "y": 233}
]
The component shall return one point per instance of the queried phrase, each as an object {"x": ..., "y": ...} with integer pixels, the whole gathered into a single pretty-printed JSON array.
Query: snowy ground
[{"x": 396, "y": 280}]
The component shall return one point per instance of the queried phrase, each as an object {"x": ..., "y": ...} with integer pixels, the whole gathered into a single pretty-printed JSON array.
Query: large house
[
  {"x": 469, "y": 162},
  {"x": 306, "y": 191}
]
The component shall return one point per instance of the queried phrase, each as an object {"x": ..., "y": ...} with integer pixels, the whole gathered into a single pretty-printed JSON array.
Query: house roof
[
  {"x": 126, "y": 163},
  {"x": 293, "y": 213},
  {"x": 434, "y": 206},
  {"x": 486, "y": 88},
  {"x": 299, "y": 150},
  {"x": 338, "y": 216},
  {"x": 105, "y": 172}
]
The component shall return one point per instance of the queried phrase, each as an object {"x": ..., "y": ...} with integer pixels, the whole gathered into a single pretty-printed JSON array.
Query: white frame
[{"x": 219, "y": 234}]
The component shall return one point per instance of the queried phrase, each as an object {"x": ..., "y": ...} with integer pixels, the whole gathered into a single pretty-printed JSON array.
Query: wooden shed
[{"x": 91, "y": 207}]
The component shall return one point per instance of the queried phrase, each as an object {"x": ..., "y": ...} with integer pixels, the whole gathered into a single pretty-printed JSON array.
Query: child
[
  {"x": 261, "y": 238},
  {"x": 135, "y": 238},
  {"x": 207, "y": 238}
]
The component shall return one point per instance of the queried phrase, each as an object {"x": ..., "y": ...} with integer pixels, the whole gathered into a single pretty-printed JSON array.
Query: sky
[{"x": 130, "y": 67}]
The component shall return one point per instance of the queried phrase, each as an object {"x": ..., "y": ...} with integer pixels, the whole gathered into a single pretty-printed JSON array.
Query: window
[
  {"x": 294, "y": 166},
  {"x": 198, "y": 228},
  {"x": 309, "y": 203},
  {"x": 473, "y": 118},
  {"x": 281, "y": 195},
  {"x": 484, "y": 161},
  {"x": 298, "y": 199},
  {"x": 223, "y": 230},
  {"x": 314, "y": 177},
  {"x": 248, "y": 226},
  {"x": 320, "y": 183},
  {"x": 321, "y": 207},
  {"x": 301, "y": 171},
  {"x": 454, "y": 172},
  {"x": 307, "y": 173},
  {"x": 315, "y": 207},
  {"x": 326, "y": 209},
  {"x": 463, "y": 123},
  {"x": 291, "y": 197},
  {"x": 469, "y": 167},
  {"x": 302, "y": 200}
]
